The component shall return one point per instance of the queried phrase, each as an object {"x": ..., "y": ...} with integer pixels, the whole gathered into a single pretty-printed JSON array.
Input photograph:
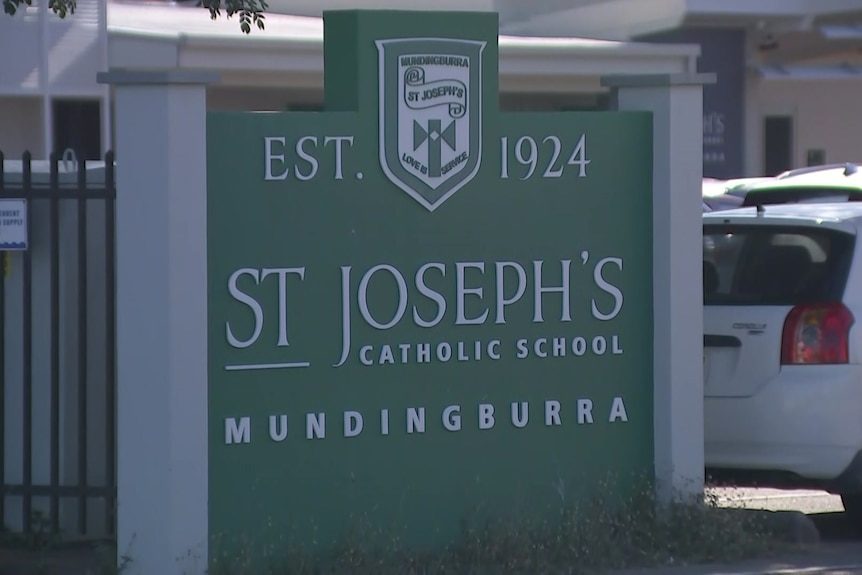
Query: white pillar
[
  {"x": 676, "y": 102},
  {"x": 162, "y": 441}
]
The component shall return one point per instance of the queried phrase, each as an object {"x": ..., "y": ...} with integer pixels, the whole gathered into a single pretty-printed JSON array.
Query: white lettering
[
  {"x": 579, "y": 346},
  {"x": 243, "y": 297},
  {"x": 585, "y": 411},
  {"x": 430, "y": 294},
  {"x": 315, "y": 425},
  {"x": 278, "y": 427},
  {"x": 384, "y": 422},
  {"x": 502, "y": 300},
  {"x": 423, "y": 353},
  {"x": 539, "y": 347},
  {"x": 303, "y": 154},
  {"x": 282, "y": 297},
  {"x": 559, "y": 347},
  {"x": 618, "y": 410},
  {"x": 600, "y": 345},
  {"x": 416, "y": 420},
  {"x": 493, "y": 346},
  {"x": 268, "y": 143},
  {"x": 608, "y": 288},
  {"x": 520, "y": 414},
  {"x": 452, "y": 418},
  {"x": 339, "y": 141},
  {"x": 462, "y": 292},
  {"x": 345, "y": 315},
  {"x": 486, "y": 416},
  {"x": 237, "y": 432},
  {"x": 540, "y": 290},
  {"x": 363, "y": 297},
  {"x": 552, "y": 412},
  {"x": 444, "y": 351},
  {"x": 386, "y": 355},
  {"x": 352, "y": 423},
  {"x": 462, "y": 356},
  {"x": 363, "y": 355},
  {"x": 523, "y": 350}
]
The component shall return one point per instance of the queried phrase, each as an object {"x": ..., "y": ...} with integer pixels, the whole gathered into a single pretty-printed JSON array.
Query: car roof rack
[{"x": 849, "y": 169}]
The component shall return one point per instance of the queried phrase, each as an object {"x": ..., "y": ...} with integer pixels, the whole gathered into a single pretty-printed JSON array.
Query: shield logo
[{"x": 430, "y": 115}]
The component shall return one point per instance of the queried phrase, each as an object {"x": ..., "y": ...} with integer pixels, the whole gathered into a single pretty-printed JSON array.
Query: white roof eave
[{"x": 294, "y": 45}]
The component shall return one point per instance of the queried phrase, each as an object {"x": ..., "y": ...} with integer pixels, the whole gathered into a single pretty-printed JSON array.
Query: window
[
  {"x": 771, "y": 265},
  {"x": 797, "y": 195},
  {"x": 78, "y": 125},
  {"x": 777, "y": 144}
]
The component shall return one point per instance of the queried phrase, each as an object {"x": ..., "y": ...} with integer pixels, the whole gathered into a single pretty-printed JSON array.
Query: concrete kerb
[
  {"x": 807, "y": 554},
  {"x": 807, "y": 560}
]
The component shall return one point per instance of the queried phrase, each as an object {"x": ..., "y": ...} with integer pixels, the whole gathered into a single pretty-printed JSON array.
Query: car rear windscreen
[
  {"x": 796, "y": 195},
  {"x": 774, "y": 265}
]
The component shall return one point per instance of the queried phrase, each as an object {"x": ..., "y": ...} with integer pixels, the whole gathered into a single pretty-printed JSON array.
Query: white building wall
[
  {"x": 52, "y": 58},
  {"x": 20, "y": 71},
  {"x": 73, "y": 50},
  {"x": 21, "y": 126},
  {"x": 827, "y": 115}
]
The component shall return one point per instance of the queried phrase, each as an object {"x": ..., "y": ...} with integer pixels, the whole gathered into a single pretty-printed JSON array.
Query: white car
[
  {"x": 783, "y": 348},
  {"x": 818, "y": 184}
]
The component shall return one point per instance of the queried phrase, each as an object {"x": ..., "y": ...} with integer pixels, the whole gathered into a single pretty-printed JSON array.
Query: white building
[{"x": 786, "y": 96}]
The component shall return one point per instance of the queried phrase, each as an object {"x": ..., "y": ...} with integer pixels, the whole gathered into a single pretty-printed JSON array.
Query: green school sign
[{"x": 421, "y": 306}]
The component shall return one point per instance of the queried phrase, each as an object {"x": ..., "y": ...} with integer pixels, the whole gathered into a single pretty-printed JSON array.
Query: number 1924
[{"x": 526, "y": 152}]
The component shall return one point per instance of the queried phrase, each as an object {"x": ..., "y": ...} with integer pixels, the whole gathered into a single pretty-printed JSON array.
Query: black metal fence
[{"x": 58, "y": 351}]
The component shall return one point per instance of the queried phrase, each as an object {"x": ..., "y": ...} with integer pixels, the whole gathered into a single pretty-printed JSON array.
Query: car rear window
[
  {"x": 795, "y": 195},
  {"x": 774, "y": 265}
]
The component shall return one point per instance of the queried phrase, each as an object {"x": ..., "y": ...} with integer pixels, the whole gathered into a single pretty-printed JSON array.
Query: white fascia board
[
  {"x": 562, "y": 69},
  {"x": 618, "y": 20},
  {"x": 168, "y": 38},
  {"x": 769, "y": 8}
]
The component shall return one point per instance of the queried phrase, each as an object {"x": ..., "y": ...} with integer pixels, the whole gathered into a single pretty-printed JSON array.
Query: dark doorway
[
  {"x": 777, "y": 144},
  {"x": 78, "y": 125}
]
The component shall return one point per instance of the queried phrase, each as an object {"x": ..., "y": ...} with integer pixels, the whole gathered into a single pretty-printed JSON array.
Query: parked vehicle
[
  {"x": 831, "y": 183},
  {"x": 715, "y": 195},
  {"x": 740, "y": 186},
  {"x": 782, "y": 348}
]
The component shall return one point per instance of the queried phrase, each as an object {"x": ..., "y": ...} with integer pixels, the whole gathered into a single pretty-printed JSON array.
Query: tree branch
[{"x": 251, "y": 12}]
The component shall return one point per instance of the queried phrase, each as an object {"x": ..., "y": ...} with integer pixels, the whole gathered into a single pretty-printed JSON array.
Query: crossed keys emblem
[{"x": 435, "y": 136}]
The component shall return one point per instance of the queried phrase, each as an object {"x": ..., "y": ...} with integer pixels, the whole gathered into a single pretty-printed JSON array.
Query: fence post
[
  {"x": 160, "y": 121},
  {"x": 676, "y": 102}
]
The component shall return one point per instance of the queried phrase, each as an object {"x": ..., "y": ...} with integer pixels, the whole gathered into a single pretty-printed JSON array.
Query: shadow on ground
[{"x": 837, "y": 526}]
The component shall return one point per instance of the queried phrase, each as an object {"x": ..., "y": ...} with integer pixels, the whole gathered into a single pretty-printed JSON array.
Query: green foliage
[
  {"x": 40, "y": 538},
  {"x": 58, "y": 7},
  {"x": 250, "y": 12}
]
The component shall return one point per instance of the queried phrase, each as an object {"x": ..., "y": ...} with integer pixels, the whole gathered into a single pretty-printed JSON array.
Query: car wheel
[{"x": 853, "y": 506}]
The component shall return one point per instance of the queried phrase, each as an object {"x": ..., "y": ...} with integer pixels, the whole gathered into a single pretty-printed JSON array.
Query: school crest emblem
[{"x": 430, "y": 100}]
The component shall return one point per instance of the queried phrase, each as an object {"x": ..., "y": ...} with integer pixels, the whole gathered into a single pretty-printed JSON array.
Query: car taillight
[{"x": 816, "y": 334}]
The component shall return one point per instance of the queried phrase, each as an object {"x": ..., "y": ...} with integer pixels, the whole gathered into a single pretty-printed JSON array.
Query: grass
[{"x": 607, "y": 533}]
